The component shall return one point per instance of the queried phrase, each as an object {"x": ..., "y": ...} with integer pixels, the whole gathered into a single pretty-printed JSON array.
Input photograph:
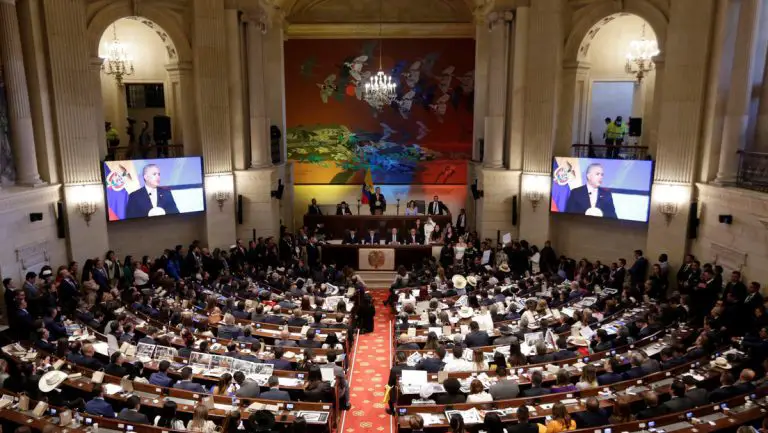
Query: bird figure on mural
[
  {"x": 428, "y": 62},
  {"x": 440, "y": 106},
  {"x": 360, "y": 85},
  {"x": 328, "y": 87},
  {"x": 467, "y": 82},
  {"x": 423, "y": 130},
  {"x": 413, "y": 74},
  {"x": 387, "y": 131},
  {"x": 405, "y": 103},
  {"x": 356, "y": 67},
  {"x": 446, "y": 78},
  {"x": 307, "y": 68}
]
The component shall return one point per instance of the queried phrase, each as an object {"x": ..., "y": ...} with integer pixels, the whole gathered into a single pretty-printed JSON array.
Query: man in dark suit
[
  {"x": 414, "y": 238},
  {"x": 186, "y": 382},
  {"x": 653, "y": 408},
  {"x": 591, "y": 198},
  {"x": 536, "y": 389},
  {"x": 144, "y": 200},
  {"x": 275, "y": 393},
  {"x": 278, "y": 362},
  {"x": 24, "y": 321},
  {"x": 310, "y": 341},
  {"x": 617, "y": 275},
  {"x": 563, "y": 352},
  {"x": 116, "y": 365},
  {"x": 736, "y": 287},
  {"x": 393, "y": 238},
  {"x": 161, "y": 377},
  {"x": 372, "y": 238},
  {"x": 377, "y": 202},
  {"x": 476, "y": 337},
  {"x": 351, "y": 238},
  {"x": 343, "y": 209},
  {"x": 636, "y": 371},
  {"x": 726, "y": 389},
  {"x": 504, "y": 388},
  {"x": 593, "y": 416},
  {"x": 639, "y": 269},
  {"x": 248, "y": 388},
  {"x": 461, "y": 222},
  {"x": 131, "y": 412},
  {"x": 433, "y": 364},
  {"x": 452, "y": 394},
  {"x": 436, "y": 207},
  {"x": 679, "y": 401},
  {"x": 753, "y": 299},
  {"x": 541, "y": 355},
  {"x": 523, "y": 426},
  {"x": 610, "y": 376},
  {"x": 314, "y": 209},
  {"x": 97, "y": 405}
]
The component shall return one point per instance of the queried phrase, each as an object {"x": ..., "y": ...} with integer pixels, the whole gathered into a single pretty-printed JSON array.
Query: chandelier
[
  {"x": 379, "y": 92},
  {"x": 117, "y": 63},
  {"x": 640, "y": 57}
]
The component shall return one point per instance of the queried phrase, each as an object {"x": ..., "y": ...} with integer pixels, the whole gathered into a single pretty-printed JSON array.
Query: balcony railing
[
  {"x": 125, "y": 152},
  {"x": 753, "y": 171},
  {"x": 625, "y": 151}
]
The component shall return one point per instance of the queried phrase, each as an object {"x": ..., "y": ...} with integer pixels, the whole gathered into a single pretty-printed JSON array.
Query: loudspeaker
[
  {"x": 476, "y": 193},
  {"x": 35, "y": 216},
  {"x": 725, "y": 219},
  {"x": 60, "y": 229},
  {"x": 278, "y": 193},
  {"x": 514, "y": 210},
  {"x": 161, "y": 128},
  {"x": 693, "y": 220},
  {"x": 274, "y": 137},
  {"x": 239, "y": 208},
  {"x": 635, "y": 126}
]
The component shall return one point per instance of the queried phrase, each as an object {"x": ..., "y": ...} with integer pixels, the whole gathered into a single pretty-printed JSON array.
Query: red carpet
[{"x": 370, "y": 371}]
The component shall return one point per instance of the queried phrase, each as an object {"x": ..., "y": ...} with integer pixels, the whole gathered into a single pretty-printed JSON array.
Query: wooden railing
[
  {"x": 126, "y": 152},
  {"x": 624, "y": 151}
]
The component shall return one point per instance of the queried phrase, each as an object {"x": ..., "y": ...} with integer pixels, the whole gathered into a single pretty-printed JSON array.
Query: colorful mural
[{"x": 423, "y": 137}]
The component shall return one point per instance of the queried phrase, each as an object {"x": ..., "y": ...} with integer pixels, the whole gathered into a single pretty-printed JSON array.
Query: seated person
[
  {"x": 678, "y": 401},
  {"x": 186, "y": 382},
  {"x": 452, "y": 393},
  {"x": 476, "y": 337},
  {"x": 610, "y": 376},
  {"x": 229, "y": 330},
  {"x": 541, "y": 355},
  {"x": 536, "y": 389},
  {"x": 97, "y": 405},
  {"x": 343, "y": 209},
  {"x": 131, "y": 412},
  {"x": 275, "y": 393},
  {"x": 310, "y": 341},
  {"x": 160, "y": 377},
  {"x": 653, "y": 409},
  {"x": 593, "y": 416}
]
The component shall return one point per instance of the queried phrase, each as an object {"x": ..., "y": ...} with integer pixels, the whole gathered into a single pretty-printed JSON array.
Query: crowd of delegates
[
  {"x": 95, "y": 293},
  {"x": 720, "y": 314}
]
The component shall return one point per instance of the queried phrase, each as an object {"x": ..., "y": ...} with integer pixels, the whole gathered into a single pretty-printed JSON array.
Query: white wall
[
  {"x": 577, "y": 236},
  {"x": 149, "y": 59},
  {"x": 745, "y": 241},
  {"x": 151, "y": 235},
  {"x": 17, "y": 232}
]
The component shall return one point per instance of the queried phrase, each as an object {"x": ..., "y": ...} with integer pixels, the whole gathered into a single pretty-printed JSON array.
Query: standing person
[
  {"x": 461, "y": 222},
  {"x": 365, "y": 314},
  {"x": 378, "y": 202},
  {"x": 145, "y": 140},
  {"x": 113, "y": 140}
]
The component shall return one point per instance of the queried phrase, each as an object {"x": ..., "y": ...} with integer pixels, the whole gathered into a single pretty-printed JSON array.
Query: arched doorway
[{"x": 595, "y": 84}]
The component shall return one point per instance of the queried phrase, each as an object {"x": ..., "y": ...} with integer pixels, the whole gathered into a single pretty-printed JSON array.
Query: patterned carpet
[{"x": 370, "y": 371}]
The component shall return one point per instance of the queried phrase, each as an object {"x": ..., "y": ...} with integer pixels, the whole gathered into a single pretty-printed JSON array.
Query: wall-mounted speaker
[
  {"x": 35, "y": 216},
  {"x": 693, "y": 220},
  {"x": 278, "y": 193},
  {"x": 476, "y": 193},
  {"x": 239, "y": 208},
  {"x": 161, "y": 128},
  {"x": 274, "y": 140},
  {"x": 725, "y": 219},
  {"x": 635, "y": 126},
  {"x": 514, "y": 210},
  {"x": 59, "y": 211}
]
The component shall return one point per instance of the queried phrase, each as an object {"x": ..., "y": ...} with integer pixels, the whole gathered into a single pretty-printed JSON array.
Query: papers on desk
[
  {"x": 327, "y": 373},
  {"x": 144, "y": 350},
  {"x": 431, "y": 419},
  {"x": 586, "y": 332},
  {"x": 414, "y": 359},
  {"x": 313, "y": 417},
  {"x": 470, "y": 416},
  {"x": 437, "y": 330},
  {"x": 698, "y": 377},
  {"x": 224, "y": 407},
  {"x": 289, "y": 381},
  {"x": 414, "y": 377},
  {"x": 111, "y": 388},
  {"x": 532, "y": 338}
]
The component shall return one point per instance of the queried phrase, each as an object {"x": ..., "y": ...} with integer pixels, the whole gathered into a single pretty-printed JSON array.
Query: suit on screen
[
  {"x": 578, "y": 202},
  {"x": 139, "y": 203}
]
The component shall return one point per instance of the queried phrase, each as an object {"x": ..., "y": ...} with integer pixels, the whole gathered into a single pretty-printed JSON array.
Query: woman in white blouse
[
  {"x": 459, "y": 249},
  {"x": 140, "y": 277},
  {"x": 200, "y": 422},
  {"x": 477, "y": 393},
  {"x": 167, "y": 418},
  {"x": 411, "y": 209}
]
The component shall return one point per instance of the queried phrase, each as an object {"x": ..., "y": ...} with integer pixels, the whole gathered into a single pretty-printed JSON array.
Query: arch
[
  {"x": 171, "y": 34},
  {"x": 594, "y": 17}
]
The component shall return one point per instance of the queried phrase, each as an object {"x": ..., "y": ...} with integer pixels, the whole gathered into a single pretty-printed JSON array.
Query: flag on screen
[
  {"x": 562, "y": 174},
  {"x": 367, "y": 187},
  {"x": 117, "y": 195}
]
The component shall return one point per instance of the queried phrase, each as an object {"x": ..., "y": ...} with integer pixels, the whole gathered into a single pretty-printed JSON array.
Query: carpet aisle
[{"x": 370, "y": 371}]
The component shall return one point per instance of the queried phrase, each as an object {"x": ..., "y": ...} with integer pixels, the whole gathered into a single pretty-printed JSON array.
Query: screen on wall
[
  {"x": 602, "y": 188},
  {"x": 143, "y": 188}
]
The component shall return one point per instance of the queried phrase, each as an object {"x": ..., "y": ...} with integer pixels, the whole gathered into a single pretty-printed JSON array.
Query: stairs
[{"x": 377, "y": 279}]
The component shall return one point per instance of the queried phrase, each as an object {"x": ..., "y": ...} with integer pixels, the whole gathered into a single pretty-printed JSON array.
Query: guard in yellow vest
[{"x": 614, "y": 137}]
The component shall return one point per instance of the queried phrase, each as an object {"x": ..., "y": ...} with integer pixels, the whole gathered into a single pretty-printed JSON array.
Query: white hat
[
  {"x": 459, "y": 281},
  {"x": 493, "y": 281},
  {"x": 578, "y": 341},
  {"x": 426, "y": 391},
  {"x": 51, "y": 380},
  {"x": 504, "y": 267},
  {"x": 466, "y": 312},
  {"x": 721, "y": 362},
  {"x": 472, "y": 280}
]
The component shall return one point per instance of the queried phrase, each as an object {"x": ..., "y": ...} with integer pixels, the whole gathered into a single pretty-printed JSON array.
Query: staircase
[{"x": 377, "y": 279}]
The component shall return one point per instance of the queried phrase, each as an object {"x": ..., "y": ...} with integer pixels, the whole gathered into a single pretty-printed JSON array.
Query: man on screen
[
  {"x": 591, "y": 199},
  {"x": 152, "y": 200}
]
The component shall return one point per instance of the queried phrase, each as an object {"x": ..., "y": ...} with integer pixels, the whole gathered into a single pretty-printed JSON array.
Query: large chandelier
[
  {"x": 640, "y": 57},
  {"x": 117, "y": 63},
  {"x": 379, "y": 92}
]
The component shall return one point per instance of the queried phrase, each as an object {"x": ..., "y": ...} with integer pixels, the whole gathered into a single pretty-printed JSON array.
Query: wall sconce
[
  {"x": 86, "y": 208},
  {"x": 534, "y": 197},
  {"x": 669, "y": 209},
  {"x": 221, "y": 197}
]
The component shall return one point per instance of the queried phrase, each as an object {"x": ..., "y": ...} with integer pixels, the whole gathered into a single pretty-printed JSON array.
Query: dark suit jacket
[
  {"x": 348, "y": 239},
  {"x": 419, "y": 239},
  {"x": 608, "y": 378},
  {"x": 477, "y": 339},
  {"x": 698, "y": 396},
  {"x": 98, "y": 406},
  {"x": 638, "y": 270},
  {"x": 653, "y": 412},
  {"x": 722, "y": 393},
  {"x": 564, "y": 354},
  {"x": 578, "y": 202},
  {"x": 249, "y": 389},
  {"x": 139, "y": 203},
  {"x": 437, "y": 209},
  {"x": 388, "y": 238},
  {"x": 280, "y": 364},
  {"x": 276, "y": 394},
  {"x": 634, "y": 373},
  {"x": 314, "y": 210},
  {"x": 534, "y": 392},
  {"x": 188, "y": 385},
  {"x": 431, "y": 365},
  {"x": 450, "y": 399},
  {"x": 133, "y": 416},
  {"x": 591, "y": 419},
  {"x": 678, "y": 404}
]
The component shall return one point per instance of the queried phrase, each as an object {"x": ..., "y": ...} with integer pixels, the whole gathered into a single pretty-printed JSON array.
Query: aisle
[{"x": 370, "y": 371}]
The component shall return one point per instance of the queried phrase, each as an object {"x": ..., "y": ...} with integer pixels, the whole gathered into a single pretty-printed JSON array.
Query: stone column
[
  {"x": 274, "y": 79},
  {"x": 260, "y": 146},
  {"x": 493, "y": 156},
  {"x": 740, "y": 92},
  {"x": 235, "y": 81},
  {"x": 651, "y": 126},
  {"x": 516, "y": 92},
  {"x": 98, "y": 107},
  {"x": 19, "y": 112},
  {"x": 572, "y": 108},
  {"x": 183, "y": 96},
  {"x": 481, "y": 86}
]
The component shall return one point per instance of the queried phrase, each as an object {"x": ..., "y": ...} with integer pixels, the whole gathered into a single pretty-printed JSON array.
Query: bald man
[
  {"x": 592, "y": 199},
  {"x": 151, "y": 200}
]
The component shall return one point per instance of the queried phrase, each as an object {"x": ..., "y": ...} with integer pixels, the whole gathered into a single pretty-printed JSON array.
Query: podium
[{"x": 337, "y": 225}]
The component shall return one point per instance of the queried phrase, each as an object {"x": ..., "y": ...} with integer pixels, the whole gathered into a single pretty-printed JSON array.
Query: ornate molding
[
  {"x": 170, "y": 48},
  {"x": 499, "y": 17},
  {"x": 32, "y": 257},
  {"x": 12, "y": 198},
  {"x": 388, "y": 30},
  {"x": 727, "y": 257}
]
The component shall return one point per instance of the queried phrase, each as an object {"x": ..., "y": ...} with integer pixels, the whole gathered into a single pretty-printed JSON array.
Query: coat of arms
[{"x": 376, "y": 259}]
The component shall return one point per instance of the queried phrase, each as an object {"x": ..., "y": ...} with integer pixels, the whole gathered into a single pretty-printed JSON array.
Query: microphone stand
[{"x": 358, "y": 206}]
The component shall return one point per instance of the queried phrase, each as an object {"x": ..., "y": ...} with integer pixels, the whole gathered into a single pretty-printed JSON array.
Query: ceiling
[{"x": 374, "y": 11}]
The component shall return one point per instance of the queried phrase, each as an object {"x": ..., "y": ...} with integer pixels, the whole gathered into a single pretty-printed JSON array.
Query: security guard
[{"x": 614, "y": 137}]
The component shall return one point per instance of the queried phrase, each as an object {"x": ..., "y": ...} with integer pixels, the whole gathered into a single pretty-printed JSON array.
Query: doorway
[{"x": 609, "y": 99}]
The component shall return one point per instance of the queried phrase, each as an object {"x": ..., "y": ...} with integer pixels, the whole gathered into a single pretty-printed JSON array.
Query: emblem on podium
[{"x": 376, "y": 259}]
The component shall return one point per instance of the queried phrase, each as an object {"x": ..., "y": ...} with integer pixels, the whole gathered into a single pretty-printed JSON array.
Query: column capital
[
  {"x": 481, "y": 9},
  {"x": 95, "y": 61},
  {"x": 266, "y": 15},
  {"x": 179, "y": 67},
  {"x": 8, "y": 2}
]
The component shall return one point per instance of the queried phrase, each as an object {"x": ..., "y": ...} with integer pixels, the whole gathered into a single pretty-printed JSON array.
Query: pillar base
[
  {"x": 260, "y": 166},
  {"x": 34, "y": 183},
  {"x": 725, "y": 180},
  {"x": 493, "y": 212},
  {"x": 220, "y": 220},
  {"x": 261, "y": 212}
]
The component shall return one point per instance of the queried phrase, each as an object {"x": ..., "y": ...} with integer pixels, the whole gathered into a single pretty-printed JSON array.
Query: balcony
[
  {"x": 753, "y": 171},
  {"x": 626, "y": 151},
  {"x": 125, "y": 152}
]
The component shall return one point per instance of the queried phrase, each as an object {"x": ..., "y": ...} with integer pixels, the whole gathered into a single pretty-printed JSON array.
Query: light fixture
[
  {"x": 535, "y": 197},
  {"x": 640, "y": 56},
  {"x": 221, "y": 197},
  {"x": 669, "y": 209},
  {"x": 379, "y": 92},
  {"x": 221, "y": 193},
  {"x": 117, "y": 63},
  {"x": 86, "y": 207},
  {"x": 669, "y": 198}
]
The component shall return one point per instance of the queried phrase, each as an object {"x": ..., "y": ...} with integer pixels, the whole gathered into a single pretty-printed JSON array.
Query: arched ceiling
[{"x": 368, "y": 11}]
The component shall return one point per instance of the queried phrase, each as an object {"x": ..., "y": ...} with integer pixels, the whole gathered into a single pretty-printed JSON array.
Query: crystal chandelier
[
  {"x": 640, "y": 57},
  {"x": 379, "y": 92},
  {"x": 117, "y": 63}
]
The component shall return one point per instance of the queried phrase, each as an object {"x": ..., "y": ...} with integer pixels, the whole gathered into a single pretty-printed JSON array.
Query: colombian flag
[{"x": 367, "y": 187}]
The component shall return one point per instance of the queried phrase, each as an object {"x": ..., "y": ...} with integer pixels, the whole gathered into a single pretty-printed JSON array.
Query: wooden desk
[
  {"x": 337, "y": 225},
  {"x": 349, "y": 255}
]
